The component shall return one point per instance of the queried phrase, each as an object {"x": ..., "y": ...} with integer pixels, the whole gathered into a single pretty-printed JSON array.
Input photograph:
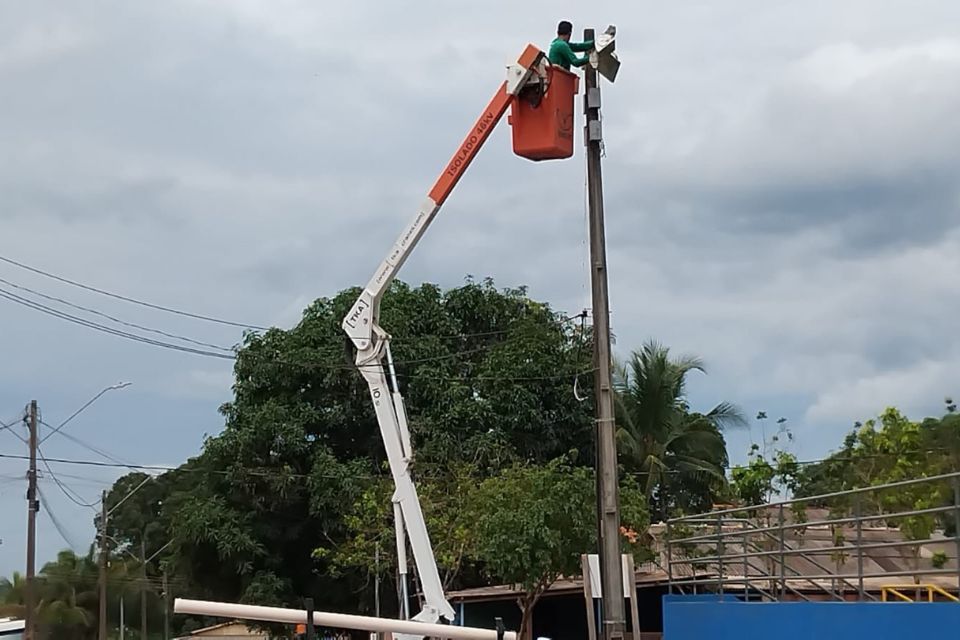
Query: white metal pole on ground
[{"x": 335, "y": 620}]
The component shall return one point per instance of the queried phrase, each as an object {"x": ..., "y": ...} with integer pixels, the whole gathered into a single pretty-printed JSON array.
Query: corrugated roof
[{"x": 561, "y": 586}]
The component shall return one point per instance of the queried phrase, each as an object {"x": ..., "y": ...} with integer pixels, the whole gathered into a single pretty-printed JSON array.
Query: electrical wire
[
  {"x": 99, "y": 327},
  {"x": 9, "y": 427},
  {"x": 162, "y": 468},
  {"x": 228, "y": 352},
  {"x": 56, "y": 522},
  {"x": 142, "y": 303},
  {"x": 74, "y": 497},
  {"x": 132, "y": 325},
  {"x": 269, "y": 473},
  {"x": 93, "y": 325},
  {"x": 88, "y": 447},
  {"x": 89, "y": 479},
  {"x": 75, "y": 480},
  {"x": 157, "y": 343}
]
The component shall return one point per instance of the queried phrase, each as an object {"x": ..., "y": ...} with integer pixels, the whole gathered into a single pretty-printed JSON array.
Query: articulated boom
[{"x": 362, "y": 325}]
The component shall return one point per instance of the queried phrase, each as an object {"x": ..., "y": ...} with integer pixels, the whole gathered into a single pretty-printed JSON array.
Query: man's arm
[
  {"x": 567, "y": 52},
  {"x": 581, "y": 46}
]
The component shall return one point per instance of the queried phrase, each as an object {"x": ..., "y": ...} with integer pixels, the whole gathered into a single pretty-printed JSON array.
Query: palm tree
[
  {"x": 12, "y": 596},
  {"x": 659, "y": 437},
  {"x": 68, "y": 595}
]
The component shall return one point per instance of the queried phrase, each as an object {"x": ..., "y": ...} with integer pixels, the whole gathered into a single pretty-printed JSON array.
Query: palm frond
[{"x": 727, "y": 415}]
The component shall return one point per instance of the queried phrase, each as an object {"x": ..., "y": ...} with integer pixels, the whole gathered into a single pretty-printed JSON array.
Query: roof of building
[
  {"x": 562, "y": 586},
  {"x": 810, "y": 562}
]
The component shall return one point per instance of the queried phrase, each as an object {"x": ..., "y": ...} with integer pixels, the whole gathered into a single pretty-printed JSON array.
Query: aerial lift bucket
[{"x": 542, "y": 117}]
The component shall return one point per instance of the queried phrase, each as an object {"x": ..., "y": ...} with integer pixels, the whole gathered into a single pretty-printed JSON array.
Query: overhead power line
[
  {"x": 9, "y": 427},
  {"x": 89, "y": 447},
  {"x": 72, "y": 495},
  {"x": 56, "y": 522},
  {"x": 142, "y": 303},
  {"x": 274, "y": 473},
  {"x": 180, "y": 312},
  {"x": 162, "y": 468},
  {"x": 36, "y": 306},
  {"x": 124, "y": 323}
]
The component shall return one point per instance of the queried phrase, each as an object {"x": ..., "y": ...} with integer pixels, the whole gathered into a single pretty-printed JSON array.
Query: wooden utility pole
[
  {"x": 143, "y": 588},
  {"x": 33, "y": 505},
  {"x": 166, "y": 607},
  {"x": 103, "y": 567},
  {"x": 608, "y": 499}
]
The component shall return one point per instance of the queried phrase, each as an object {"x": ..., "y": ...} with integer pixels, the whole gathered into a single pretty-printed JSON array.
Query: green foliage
[
  {"x": 444, "y": 498},
  {"x": 760, "y": 479},
  {"x": 68, "y": 600},
  {"x": 12, "y": 596},
  {"x": 525, "y": 525},
  {"x": 681, "y": 455},
  {"x": 753, "y": 483},
  {"x": 888, "y": 448},
  {"x": 939, "y": 559},
  {"x": 534, "y": 522}
]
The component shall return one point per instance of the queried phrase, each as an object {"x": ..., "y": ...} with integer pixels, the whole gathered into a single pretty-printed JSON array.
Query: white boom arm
[{"x": 362, "y": 325}]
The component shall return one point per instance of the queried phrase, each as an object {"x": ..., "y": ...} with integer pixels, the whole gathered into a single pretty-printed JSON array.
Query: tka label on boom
[{"x": 358, "y": 310}]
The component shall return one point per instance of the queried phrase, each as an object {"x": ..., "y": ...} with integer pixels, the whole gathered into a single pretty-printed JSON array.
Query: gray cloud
[{"x": 779, "y": 176}]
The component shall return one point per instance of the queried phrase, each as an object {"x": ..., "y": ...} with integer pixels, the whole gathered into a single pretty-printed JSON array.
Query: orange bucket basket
[{"x": 542, "y": 120}]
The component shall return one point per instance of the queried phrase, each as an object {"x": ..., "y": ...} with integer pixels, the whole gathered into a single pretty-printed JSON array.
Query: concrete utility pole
[
  {"x": 103, "y": 567},
  {"x": 33, "y": 505},
  {"x": 608, "y": 514}
]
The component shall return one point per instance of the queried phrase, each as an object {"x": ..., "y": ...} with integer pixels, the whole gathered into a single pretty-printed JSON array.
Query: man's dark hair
[{"x": 564, "y": 28}]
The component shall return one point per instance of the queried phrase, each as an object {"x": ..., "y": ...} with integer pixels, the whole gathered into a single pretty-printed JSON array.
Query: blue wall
[{"x": 706, "y": 617}]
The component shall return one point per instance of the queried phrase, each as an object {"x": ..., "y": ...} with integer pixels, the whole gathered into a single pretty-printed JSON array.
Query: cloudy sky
[{"x": 779, "y": 184}]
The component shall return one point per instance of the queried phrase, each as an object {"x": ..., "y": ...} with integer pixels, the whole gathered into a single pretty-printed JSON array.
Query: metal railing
[
  {"x": 837, "y": 545},
  {"x": 899, "y": 591}
]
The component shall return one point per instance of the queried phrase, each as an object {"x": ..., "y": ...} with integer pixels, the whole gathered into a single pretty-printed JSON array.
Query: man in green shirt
[{"x": 561, "y": 49}]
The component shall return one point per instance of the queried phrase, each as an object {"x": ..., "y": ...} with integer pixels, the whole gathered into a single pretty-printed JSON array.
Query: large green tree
[
  {"x": 487, "y": 375},
  {"x": 680, "y": 454}
]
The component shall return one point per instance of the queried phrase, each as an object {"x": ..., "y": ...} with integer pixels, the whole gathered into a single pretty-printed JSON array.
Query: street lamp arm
[
  {"x": 89, "y": 402},
  {"x": 132, "y": 491}
]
